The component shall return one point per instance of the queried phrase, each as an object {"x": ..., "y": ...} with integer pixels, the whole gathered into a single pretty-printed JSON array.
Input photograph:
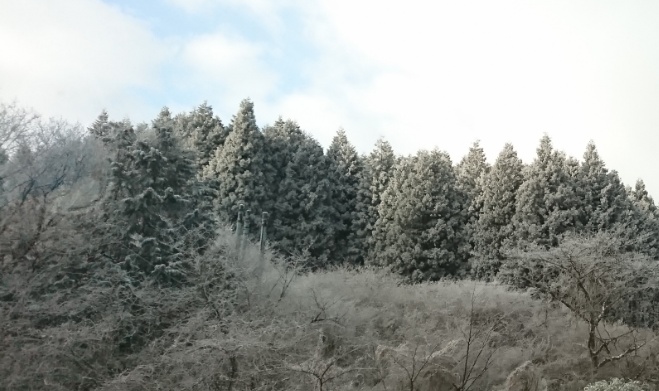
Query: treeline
[
  {"x": 169, "y": 184},
  {"x": 117, "y": 270},
  {"x": 421, "y": 215}
]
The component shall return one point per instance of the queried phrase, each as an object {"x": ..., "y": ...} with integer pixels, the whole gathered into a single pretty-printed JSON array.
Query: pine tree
[
  {"x": 575, "y": 196},
  {"x": 385, "y": 231},
  {"x": 195, "y": 213},
  {"x": 202, "y": 132},
  {"x": 606, "y": 205},
  {"x": 593, "y": 180},
  {"x": 178, "y": 171},
  {"x": 377, "y": 173},
  {"x": 642, "y": 198},
  {"x": 494, "y": 228},
  {"x": 470, "y": 173},
  {"x": 150, "y": 208},
  {"x": 616, "y": 213},
  {"x": 344, "y": 170},
  {"x": 299, "y": 192},
  {"x": 645, "y": 221},
  {"x": 424, "y": 237},
  {"x": 101, "y": 126},
  {"x": 640, "y": 233},
  {"x": 546, "y": 206},
  {"x": 237, "y": 168},
  {"x": 108, "y": 131}
]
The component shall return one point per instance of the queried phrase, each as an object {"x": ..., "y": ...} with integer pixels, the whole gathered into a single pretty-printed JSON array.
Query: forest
[{"x": 130, "y": 259}]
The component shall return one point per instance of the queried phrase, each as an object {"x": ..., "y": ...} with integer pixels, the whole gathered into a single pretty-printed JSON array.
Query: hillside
[
  {"x": 129, "y": 262},
  {"x": 256, "y": 325}
]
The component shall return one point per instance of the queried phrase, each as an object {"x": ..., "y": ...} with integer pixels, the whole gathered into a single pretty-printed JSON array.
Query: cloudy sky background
[{"x": 422, "y": 74}]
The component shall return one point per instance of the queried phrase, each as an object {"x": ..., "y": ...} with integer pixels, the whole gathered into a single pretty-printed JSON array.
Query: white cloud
[
  {"x": 316, "y": 114},
  {"x": 192, "y": 6},
  {"x": 72, "y": 58},
  {"x": 266, "y": 11},
  {"x": 447, "y": 73},
  {"x": 422, "y": 74},
  {"x": 230, "y": 69}
]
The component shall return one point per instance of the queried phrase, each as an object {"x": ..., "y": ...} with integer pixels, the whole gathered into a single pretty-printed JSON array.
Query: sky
[{"x": 421, "y": 74}]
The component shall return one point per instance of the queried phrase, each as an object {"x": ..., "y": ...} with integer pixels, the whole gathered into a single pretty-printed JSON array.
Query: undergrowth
[{"x": 263, "y": 324}]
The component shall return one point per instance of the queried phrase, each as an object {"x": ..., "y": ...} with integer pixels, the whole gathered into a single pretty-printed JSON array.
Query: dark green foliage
[
  {"x": 609, "y": 207},
  {"x": 421, "y": 225},
  {"x": 298, "y": 191},
  {"x": 89, "y": 321},
  {"x": 203, "y": 132},
  {"x": 605, "y": 201},
  {"x": 642, "y": 199},
  {"x": 344, "y": 170},
  {"x": 377, "y": 173},
  {"x": 384, "y": 230},
  {"x": 177, "y": 171},
  {"x": 196, "y": 215},
  {"x": 494, "y": 229},
  {"x": 546, "y": 204},
  {"x": 643, "y": 221},
  {"x": 237, "y": 168},
  {"x": 640, "y": 231},
  {"x": 108, "y": 131},
  {"x": 101, "y": 128},
  {"x": 151, "y": 209},
  {"x": 470, "y": 174}
]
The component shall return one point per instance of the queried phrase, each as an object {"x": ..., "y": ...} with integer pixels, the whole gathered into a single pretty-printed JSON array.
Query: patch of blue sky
[
  {"x": 165, "y": 20},
  {"x": 291, "y": 54},
  {"x": 288, "y": 50}
]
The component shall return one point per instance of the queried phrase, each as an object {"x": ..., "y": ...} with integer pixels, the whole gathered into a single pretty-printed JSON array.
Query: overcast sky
[{"x": 423, "y": 74}]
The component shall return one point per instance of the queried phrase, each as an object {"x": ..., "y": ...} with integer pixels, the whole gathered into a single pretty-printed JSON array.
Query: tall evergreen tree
[
  {"x": 645, "y": 221},
  {"x": 494, "y": 229},
  {"x": 178, "y": 172},
  {"x": 546, "y": 204},
  {"x": 424, "y": 240},
  {"x": 196, "y": 213},
  {"x": 299, "y": 192},
  {"x": 617, "y": 214},
  {"x": 101, "y": 126},
  {"x": 150, "y": 205},
  {"x": 202, "y": 132},
  {"x": 643, "y": 199},
  {"x": 470, "y": 174},
  {"x": 385, "y": 231},
  {"x": 237, "y": 167},
  {"x": 606, "y": 205},
  {"x": 377, "y": 173},
  {"x": 344, "y": 170},
  {"x": 572, "y": 168},
  {"x": 108, "y": 131}
]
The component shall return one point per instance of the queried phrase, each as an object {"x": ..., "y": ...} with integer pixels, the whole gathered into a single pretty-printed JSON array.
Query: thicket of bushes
[{"x": 260, "y": 325}]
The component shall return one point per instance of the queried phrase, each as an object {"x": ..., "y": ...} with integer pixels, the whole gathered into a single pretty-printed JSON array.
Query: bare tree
[
  {"x": 593, "y": 277},
  {"x": 454, "y": 366},
  {"x": 478, "y": 355},
  {"x": 15, "y": 123},
  {"x": 41, "y": 164}
]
